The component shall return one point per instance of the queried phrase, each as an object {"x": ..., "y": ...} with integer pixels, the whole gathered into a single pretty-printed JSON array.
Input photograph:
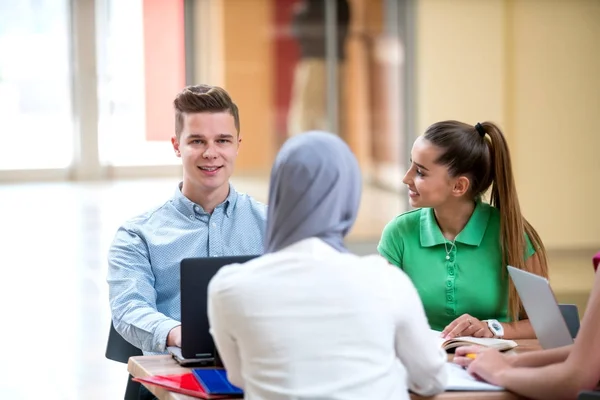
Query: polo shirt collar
[{"x": 472, "y": 233}]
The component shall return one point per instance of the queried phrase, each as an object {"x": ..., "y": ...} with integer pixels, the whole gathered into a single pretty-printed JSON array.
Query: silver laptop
[{"x": 542, "y": 308}]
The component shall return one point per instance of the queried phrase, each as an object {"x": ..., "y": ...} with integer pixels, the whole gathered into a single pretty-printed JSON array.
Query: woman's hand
[
  {"x": 465, "y": 355},
  {"x": 483, "y": 363},
  {"x": 466, "y": 325}
]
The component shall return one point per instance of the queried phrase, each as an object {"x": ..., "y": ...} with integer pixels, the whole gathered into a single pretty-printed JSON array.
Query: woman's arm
[
  {"x": 518, "y": 330},
  {"x": 563, "y": 380},
  {"x": 467, "y": 325},
  {"x": 538, "y": 358}
]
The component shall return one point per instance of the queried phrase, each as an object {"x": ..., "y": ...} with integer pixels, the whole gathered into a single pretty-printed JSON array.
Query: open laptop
[
  {"x": 542, "y": 308},
  {"x": 197, "y": 346}
]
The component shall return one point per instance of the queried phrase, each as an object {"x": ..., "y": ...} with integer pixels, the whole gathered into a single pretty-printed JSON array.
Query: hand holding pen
[{"x": 483, "y": 363}]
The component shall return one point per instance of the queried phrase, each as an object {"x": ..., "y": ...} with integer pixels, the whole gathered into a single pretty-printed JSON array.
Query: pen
[{"x": 472, "y": 356}]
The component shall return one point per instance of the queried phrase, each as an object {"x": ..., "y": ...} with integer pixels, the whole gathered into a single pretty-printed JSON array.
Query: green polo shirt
[{"x": 472, "y": 281}]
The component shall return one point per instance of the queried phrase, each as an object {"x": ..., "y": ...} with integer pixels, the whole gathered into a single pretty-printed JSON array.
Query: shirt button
[
  {"x": 191, "y": 216},
  {"x": 214, "y": 225},
  {"x": 449, "y": 298},
  {"x": 449, "y": 284}
]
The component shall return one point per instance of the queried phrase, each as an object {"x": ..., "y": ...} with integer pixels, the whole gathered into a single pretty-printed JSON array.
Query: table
[{"x": 143, "y": 366}]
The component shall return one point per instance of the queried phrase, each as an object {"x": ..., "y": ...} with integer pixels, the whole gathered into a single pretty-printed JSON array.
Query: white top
[{"x": 308, "y": 322}]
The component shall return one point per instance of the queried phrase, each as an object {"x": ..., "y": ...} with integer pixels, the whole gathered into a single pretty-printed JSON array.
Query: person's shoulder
[
  {"x": 139, "y": 221},
  {"x": 406, "y": 220},
  {"x": 246, "y": 202},
  {"x": 493, "y": 212},
  {"x": 411, "y": 215},
  {"x": 488, "y": 207}
]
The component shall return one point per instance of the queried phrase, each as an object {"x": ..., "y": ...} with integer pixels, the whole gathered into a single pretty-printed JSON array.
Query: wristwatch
[{"x": 495, "y": 327}]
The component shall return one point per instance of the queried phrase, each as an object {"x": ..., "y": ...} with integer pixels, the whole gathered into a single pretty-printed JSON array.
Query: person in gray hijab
[
  {"x": 314, "y": 192},
  {"x": 308, "y": 319}
]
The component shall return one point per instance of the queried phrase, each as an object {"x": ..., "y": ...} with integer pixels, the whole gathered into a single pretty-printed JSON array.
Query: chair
[
  {"x": 571, "y": 316},
  {"x": 119, "y": 349}
]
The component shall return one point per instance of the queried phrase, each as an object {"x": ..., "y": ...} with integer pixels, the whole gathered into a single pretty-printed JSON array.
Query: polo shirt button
[
  {"x": 449, "y": 298},
  {"x": 449, "y": 283}
]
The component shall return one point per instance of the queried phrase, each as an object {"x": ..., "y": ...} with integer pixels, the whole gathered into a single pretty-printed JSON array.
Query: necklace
[{"x": 446, "y": 248}]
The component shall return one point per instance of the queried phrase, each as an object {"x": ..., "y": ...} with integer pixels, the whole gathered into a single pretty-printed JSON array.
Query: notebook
[
  {"x": 460, "y": 380},
  {"x": 498, "y": 344},
  {"x": 214, "y": 382},
  {"x": 184, "y": 384}
]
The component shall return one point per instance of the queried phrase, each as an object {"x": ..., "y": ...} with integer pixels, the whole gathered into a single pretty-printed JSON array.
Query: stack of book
[{"x": 203, "y": 383}]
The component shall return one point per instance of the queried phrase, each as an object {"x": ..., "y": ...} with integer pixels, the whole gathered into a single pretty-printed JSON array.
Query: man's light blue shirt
[{"x": 145, "y": 255}]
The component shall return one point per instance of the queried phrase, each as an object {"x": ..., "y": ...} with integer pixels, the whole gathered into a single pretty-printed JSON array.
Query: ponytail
[{"x": 512, "y": 223}]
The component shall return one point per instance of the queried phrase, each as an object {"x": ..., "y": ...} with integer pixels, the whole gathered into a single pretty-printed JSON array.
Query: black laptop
[{"x": 197, "y": 346}]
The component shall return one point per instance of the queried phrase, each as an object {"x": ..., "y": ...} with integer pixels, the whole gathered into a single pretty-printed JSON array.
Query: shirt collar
[
  {"x": 472, "y": 233},
  {"x": 188, "y": 207}
]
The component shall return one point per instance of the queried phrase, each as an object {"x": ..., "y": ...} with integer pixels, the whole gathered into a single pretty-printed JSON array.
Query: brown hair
[
  {"x": 481, "y": 154},
  {"x": 203, "y": 98}
]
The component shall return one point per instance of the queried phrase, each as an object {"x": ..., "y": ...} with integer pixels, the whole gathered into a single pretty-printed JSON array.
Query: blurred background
[{"x": 86, "y": 90}]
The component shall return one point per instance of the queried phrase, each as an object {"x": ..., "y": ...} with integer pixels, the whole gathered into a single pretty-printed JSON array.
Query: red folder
[{"x": 184, "y": 384}]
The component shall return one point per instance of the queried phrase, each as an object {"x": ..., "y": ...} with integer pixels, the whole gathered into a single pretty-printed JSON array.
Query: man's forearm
[{"x": 148, "y": 332}]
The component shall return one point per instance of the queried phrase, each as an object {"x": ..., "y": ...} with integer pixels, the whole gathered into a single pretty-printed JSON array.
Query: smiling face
[
  {"x": 429, "y": 184},
  {"x": 208, "y": 146}
]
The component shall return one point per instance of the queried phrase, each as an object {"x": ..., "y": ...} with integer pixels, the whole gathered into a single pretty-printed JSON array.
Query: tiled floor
[{"x": 53, "y": 293}]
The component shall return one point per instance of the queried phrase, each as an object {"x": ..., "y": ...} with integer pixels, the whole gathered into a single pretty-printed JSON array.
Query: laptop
[
  {"x": 197, "y": 346},
  {"x": 542, "y": 308}
]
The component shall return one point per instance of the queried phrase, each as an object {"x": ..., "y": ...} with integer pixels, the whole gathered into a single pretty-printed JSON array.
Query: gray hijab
[{"x": 314, "y": 191}]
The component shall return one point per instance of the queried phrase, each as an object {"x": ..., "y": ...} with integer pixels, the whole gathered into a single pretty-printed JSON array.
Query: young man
[{"x": 206, "y": 217}]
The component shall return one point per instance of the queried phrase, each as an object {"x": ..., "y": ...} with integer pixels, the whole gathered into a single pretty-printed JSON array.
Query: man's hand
[{"x": 174, "y": 337}]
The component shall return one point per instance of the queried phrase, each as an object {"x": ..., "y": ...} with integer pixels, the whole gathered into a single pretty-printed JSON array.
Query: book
[
  {"x": 498, "y": 344},
  {"x": 460, "y": 380},
  {"x": 214, "y": 382},
  {"x": 183, "y": 383}
]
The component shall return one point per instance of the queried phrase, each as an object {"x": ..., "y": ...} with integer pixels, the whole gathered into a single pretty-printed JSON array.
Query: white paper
[{"x": 460, "y": 379}]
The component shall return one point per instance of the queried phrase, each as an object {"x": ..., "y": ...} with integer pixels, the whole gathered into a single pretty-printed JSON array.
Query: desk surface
[{"x": 143, "y": 366}]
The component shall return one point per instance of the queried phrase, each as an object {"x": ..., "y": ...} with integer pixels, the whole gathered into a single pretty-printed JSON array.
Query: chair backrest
[
  {"x": 119, "y": 349},
  {"x": 571, "y": 316}
]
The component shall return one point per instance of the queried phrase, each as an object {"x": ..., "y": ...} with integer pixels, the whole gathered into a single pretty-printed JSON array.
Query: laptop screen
[
  {"x": 542, "y": 308},
  {"x": 196, "y": 273}
]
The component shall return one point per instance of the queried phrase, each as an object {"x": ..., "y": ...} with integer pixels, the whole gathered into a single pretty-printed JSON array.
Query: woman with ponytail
[{"x": 455, "y": 246}]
